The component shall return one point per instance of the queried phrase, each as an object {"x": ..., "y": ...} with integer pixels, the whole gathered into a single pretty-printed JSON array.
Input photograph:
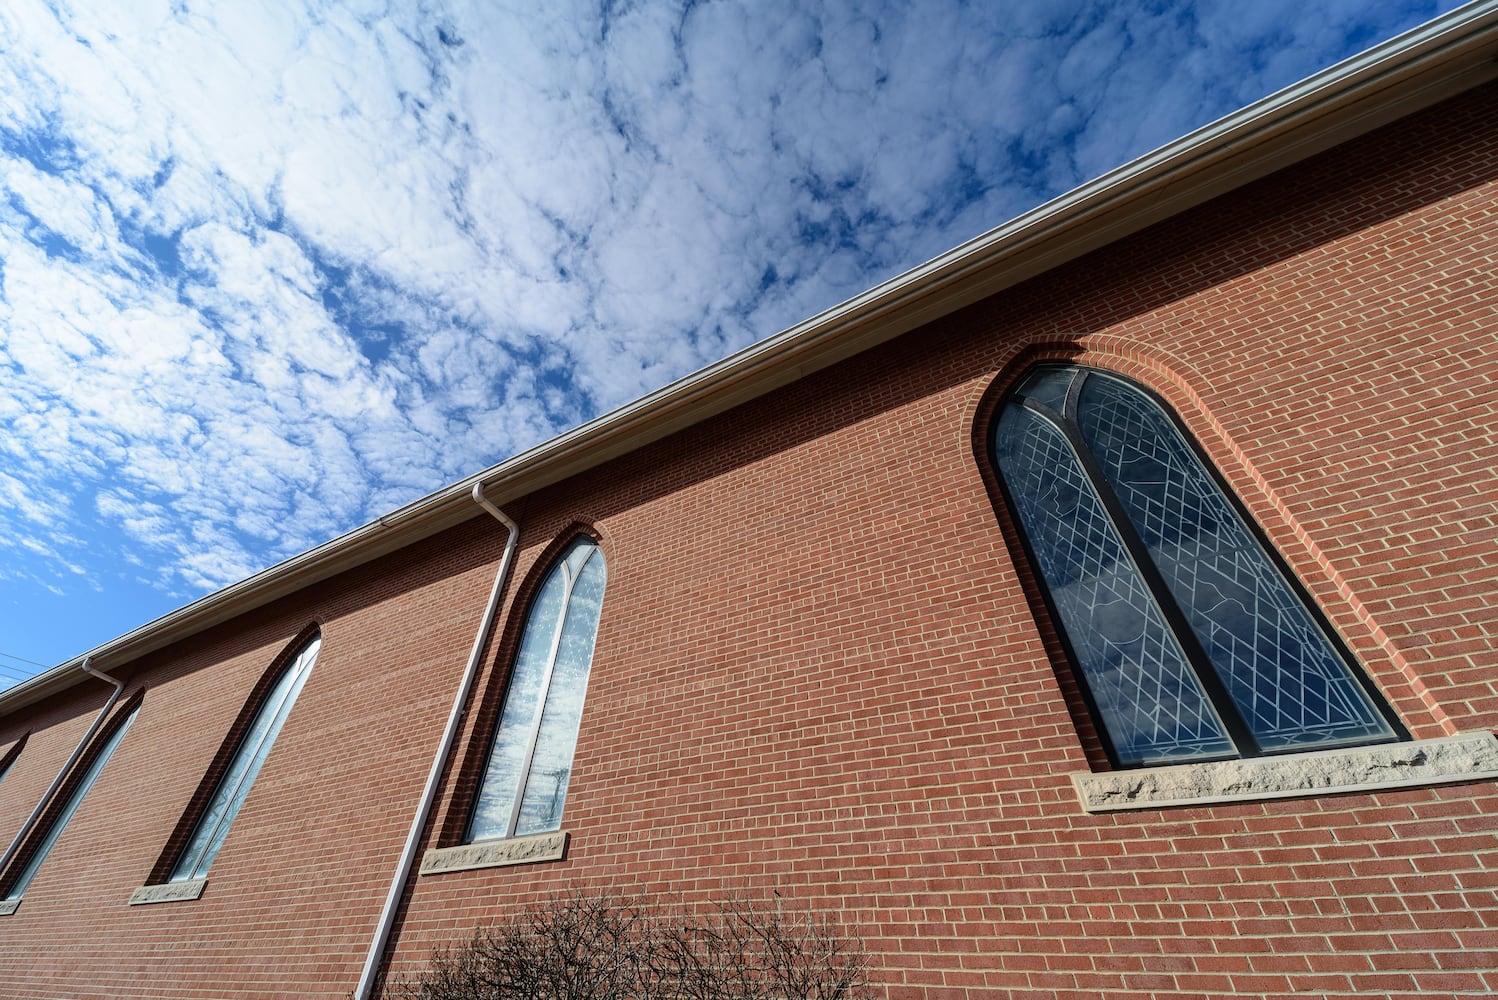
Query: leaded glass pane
[
  {"x": 531, "y": 759},
  {"x": 66, "y": 815},
  {"x": 1048, "y": 385},
  {"x": 234, "y": 786},
  {"x": 1283, "y": 674},
  {"x": 1152, "y": 705}
]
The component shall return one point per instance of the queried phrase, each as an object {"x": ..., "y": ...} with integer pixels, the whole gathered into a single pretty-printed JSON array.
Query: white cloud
[{"x": 268, "y": 270}]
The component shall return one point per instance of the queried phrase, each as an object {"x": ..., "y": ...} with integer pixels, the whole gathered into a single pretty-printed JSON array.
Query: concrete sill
[
  {"x": 8, "y": 906},
  {"x": 1466, "y": 757},
  {"x": 496, "y": 853},
  {"x": 168, "y": 892}
]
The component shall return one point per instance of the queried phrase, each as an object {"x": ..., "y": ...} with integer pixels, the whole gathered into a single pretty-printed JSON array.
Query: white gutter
[
  {"x": 373, "y": 960},
  {"x": 1446, "y": 56},
  {"x": 41, "y": 807}
]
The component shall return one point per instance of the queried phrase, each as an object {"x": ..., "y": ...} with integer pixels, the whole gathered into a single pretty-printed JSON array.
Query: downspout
[
  {"x": 439, "y": 762},
  {"x": 26, "y": 827}
]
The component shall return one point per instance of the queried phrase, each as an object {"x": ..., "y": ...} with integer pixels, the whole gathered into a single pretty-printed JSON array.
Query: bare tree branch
[{"x": 608, "y": 946}]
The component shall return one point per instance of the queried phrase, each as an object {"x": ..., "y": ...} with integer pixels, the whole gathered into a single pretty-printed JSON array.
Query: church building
[{"x": 1107, "y": 608}]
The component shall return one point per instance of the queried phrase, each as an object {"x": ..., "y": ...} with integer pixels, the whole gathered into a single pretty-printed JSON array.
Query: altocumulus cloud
[{"x": 269, "y": 270}]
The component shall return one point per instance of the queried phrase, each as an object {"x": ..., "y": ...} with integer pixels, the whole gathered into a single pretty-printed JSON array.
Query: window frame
[
  {"x": 1151, "y": 578},
  {"x": 552, "y": 561}
]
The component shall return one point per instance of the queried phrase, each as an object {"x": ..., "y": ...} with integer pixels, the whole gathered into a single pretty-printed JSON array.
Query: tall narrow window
[
  {"x": 1190, "y": 640},
  {"x": 530, "y": 764},
  {"x": 61, "y": 819},
  {"x": 213, "y": 826}
]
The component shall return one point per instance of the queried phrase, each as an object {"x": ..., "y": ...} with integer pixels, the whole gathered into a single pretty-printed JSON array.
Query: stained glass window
[
  {"x": 1188, "y": 637},
  {"x": 213, "y": 826},
  {"x": 530, "y": 764}
]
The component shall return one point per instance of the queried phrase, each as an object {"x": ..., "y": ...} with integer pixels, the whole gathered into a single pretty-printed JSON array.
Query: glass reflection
[
  {"x": 1282, "y": 672},
  {"x": 525, "y": 784},
  {"x": 1152, "y": 704}
]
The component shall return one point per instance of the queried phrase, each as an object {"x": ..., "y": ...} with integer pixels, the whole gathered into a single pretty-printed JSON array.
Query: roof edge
[{"x": 1408, "y": 73}]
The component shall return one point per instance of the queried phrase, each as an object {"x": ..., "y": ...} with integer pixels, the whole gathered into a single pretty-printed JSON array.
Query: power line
[
  {"x": 13, "y": 656},
  {"x": 13, "y": 673}
]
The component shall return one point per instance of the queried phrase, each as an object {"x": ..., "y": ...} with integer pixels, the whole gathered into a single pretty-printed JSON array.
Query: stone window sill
[
  {"x": 496, "y": 853},
  {"x": 168, "y": 892},
  {"x": 8, "y": 906},
  {"x": 1466, "y": 757}
]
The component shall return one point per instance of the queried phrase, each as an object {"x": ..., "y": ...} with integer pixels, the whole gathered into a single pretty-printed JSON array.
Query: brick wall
[
  {"x": 293, "y": 895},
  {"x": 819, "y": 670}
]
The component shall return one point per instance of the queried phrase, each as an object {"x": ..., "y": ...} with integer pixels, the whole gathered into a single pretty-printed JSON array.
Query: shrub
[{"x": 607, "y": 946}]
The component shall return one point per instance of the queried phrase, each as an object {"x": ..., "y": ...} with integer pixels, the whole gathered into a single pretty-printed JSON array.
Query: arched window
[
  {"x": 104, "y": 747},
  {"x": 234, "y": 785},
  {"x": 1189, "y": 639},
  {"x": 530, "y": 763}
]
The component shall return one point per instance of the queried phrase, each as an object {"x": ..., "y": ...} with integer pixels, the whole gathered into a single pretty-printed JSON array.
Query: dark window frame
[{"x": 1245, "y": 744}]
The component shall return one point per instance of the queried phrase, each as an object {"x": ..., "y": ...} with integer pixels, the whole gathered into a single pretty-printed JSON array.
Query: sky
[{"x": 269, "y": 271}]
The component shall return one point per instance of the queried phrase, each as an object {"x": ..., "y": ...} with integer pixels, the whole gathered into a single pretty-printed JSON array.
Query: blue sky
[{"x": 270, "y": 270}]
